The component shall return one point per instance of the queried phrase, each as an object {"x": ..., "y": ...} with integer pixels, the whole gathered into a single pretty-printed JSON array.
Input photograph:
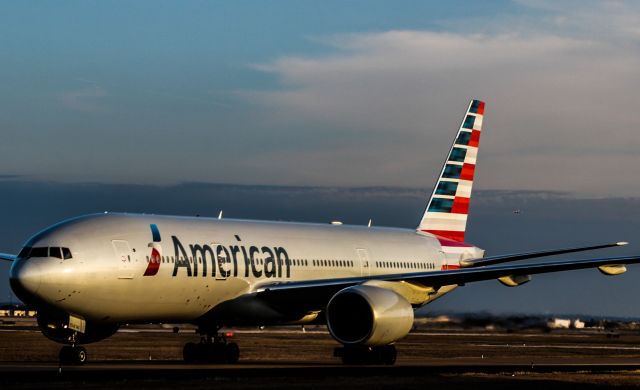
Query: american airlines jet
[{"x": 87, "y": 275}]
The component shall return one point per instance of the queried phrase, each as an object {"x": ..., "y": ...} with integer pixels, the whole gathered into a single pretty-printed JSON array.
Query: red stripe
[
  {"x": 449, "y": 266},
  {"x": 475, "y": 138},
  {"x": 460, "y": 205},
  {"x": 468, "y": 170},
  {"x": 480, "y": 109},
  {"x": 154, "y": 263},
  {"x": 449, "y": 237}
]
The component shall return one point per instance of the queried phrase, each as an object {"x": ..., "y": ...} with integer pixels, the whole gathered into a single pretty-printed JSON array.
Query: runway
[
  {"x": 294, "y": 359},
  {"x": 156, "y": 375}
]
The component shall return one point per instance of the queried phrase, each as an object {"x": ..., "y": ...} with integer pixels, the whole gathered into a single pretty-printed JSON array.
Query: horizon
[{"x": 493, "y": 225}]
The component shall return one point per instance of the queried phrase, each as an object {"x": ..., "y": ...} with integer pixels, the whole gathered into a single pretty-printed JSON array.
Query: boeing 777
[{"x": 88, "y": 275}]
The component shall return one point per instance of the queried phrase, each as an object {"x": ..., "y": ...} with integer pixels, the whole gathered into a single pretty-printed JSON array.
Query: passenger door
[
  {"x": 124, "y": 257},
  {"x": 363, "y": 257}
]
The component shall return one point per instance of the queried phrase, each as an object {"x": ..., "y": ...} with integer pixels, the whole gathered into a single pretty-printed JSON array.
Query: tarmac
[{"x": 290, "y": 358}]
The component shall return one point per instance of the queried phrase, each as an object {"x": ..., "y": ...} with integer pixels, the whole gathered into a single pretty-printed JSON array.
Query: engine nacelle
[
  {"x": 55, "y": 326},
  {"x": 368, "y": 315}
]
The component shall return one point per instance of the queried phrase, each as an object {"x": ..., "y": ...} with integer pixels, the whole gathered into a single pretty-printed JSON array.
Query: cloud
[
  {"x": 88, "y": 99},
  {"x": 561, "y": 101}
]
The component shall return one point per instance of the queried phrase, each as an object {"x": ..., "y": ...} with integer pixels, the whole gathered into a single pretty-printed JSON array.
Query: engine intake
[{"x": 368, "y": 315}]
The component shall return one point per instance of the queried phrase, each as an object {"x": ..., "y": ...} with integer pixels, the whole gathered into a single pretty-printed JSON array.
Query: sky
[
  {"x": 143, "y": 106},
  {"x": 358, "y": 93}
]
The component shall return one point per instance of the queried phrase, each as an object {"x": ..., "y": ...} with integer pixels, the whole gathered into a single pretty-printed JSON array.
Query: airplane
[{"x": 88, "y": 275}]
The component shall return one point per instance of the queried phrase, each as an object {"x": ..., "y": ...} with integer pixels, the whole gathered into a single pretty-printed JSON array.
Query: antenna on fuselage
[
  {"x": 369, "y": 224},
  {"x": 220, "y": 215}
]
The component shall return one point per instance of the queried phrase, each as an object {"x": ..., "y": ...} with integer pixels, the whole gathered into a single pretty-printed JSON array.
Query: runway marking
[{"x": 556, "y": 346}]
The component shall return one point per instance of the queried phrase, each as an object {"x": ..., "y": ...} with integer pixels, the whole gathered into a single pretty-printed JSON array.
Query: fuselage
[{"x": 147, "y": 268}]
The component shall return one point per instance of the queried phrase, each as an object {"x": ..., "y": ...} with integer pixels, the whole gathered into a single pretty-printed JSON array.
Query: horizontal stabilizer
[{"x": 491, "y": 260}]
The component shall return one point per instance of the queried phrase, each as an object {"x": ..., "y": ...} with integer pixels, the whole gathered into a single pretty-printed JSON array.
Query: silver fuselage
[{"x": 203, "y": 262}]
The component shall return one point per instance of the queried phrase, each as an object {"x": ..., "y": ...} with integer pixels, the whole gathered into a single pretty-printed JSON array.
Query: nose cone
[{"x": 24, "y": 278}]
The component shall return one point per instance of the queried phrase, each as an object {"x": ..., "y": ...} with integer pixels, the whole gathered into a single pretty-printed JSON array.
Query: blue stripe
[
  {"x": 440, "y": 205},
  {"x": 474, "y": 106},
  {"x": 447, "y": 188},
  {"x": 463, "y": 138},
  {"x": 452, "y": 171},
  {"x": 457, "y": 154},
  {"x": 155, "y": 233},
  {"x": 469, "y": 121}
]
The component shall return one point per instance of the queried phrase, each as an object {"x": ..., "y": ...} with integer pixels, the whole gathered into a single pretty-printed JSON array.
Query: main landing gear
[
  {"x": 360, "y": 354},
  {"x": 73, "y": 355},
  {"x": 212, "y": 348}
]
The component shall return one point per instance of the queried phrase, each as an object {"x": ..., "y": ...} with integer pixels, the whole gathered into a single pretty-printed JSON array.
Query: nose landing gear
[
  {"x": 73, "y": 355},
  {"x": 212, "y": 348}
]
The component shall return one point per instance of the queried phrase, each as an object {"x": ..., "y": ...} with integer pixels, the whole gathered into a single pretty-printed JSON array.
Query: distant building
[
  {"x": 559, "y": 323},
  {"x": 16, "y": 311}
]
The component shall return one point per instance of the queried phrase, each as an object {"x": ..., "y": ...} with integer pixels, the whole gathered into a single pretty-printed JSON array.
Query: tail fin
[{"x": 446, "y": 213}]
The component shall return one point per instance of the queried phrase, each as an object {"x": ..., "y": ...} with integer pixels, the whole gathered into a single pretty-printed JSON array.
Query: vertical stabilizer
[{"x": 446, "y": 213}]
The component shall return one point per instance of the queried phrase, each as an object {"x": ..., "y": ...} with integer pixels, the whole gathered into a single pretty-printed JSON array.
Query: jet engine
[
  {"x": 55, "y": 326},
  {"x": 369, "y": 316}
]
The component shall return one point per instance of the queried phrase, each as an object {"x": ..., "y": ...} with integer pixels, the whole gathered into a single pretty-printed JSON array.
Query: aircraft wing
[
  {"x": 7, "y": 257},
  {"x": 491, "y": 260},
  {"x": 318, "y": 292}
]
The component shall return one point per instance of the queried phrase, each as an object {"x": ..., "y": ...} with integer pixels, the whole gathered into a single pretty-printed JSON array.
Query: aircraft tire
[
  {"x": 232, "y": 353},
  {"x": 79, "y": 356},
  {"x": 190, "y": 353},
  {"x": 354, "y": 355},
  {"x": 388, "y": 355},
  {"x": 65, "y": 354},
  {"x": 73, "y": 355}
]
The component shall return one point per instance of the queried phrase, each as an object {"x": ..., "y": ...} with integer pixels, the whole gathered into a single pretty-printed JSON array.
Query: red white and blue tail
[{"x": 446, "y": 213}]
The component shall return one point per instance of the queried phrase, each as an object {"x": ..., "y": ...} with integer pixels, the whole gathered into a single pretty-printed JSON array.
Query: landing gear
[
  {"x": 212, "y": 348},
  {"x": 74, "y": 355},
  {"x": 385, "y": 354}
]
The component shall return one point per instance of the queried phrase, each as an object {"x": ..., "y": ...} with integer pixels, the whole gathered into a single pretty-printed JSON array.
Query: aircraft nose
[{"x": 24, "y": 278}]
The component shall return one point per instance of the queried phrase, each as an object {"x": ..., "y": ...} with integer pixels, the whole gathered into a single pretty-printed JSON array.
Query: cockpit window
[
  {"x": 39, "y": 252},
  {"x": 66, "y": 253},
  {"x": 55, "y": 251},
  {"x": 24, "y": 253}
]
